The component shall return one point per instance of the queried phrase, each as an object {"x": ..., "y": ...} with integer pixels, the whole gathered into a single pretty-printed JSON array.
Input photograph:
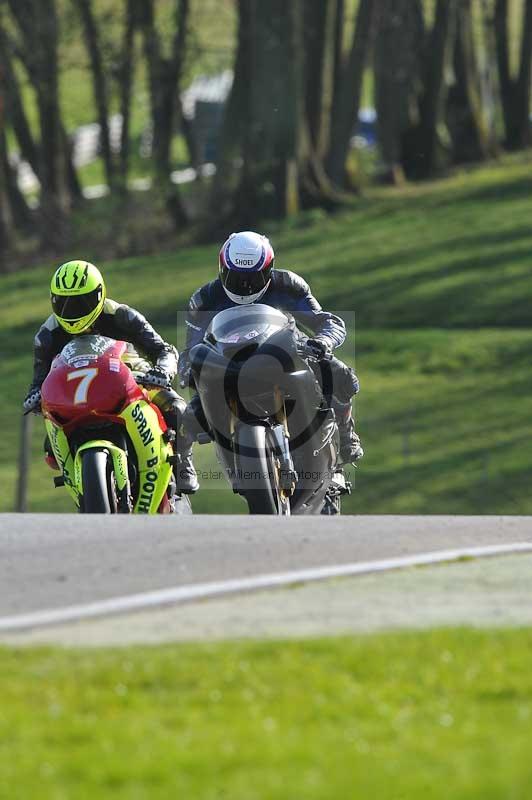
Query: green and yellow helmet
[{"x": 77, "y": 292}]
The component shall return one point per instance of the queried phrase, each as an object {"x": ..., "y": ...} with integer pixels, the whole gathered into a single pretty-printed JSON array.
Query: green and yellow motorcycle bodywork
[{"x": 154, "y": 457}]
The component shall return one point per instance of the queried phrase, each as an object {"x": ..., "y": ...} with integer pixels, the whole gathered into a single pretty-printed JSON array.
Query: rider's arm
[
  {"x": 47, "y": 344},
  {"x": 307, "y": 312},
  {"x": 136, "y": 329},
  {"x": 196, "y": 321}
]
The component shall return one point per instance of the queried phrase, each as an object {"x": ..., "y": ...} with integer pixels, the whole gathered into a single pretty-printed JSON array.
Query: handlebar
[
  {"x": 147, "y": 385},
  {"x": 305, "y": 351}
]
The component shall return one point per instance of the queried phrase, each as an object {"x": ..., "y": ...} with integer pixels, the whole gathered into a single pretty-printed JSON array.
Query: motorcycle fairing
[
  {"x": 145, "y": 427},
  {"x": 63, "y": 456},
  {"x": 112, "y": 396}
]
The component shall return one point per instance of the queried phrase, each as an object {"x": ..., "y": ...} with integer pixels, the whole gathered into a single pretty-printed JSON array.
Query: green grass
[
  {"x": 442, "y": 714},
  {"x": 440, "y": 279}
]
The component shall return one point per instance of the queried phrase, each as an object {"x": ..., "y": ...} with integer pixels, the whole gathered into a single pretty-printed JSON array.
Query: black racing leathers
[
  {"x": 287, "y": 292},
  {"x": 117, "y": 321}
]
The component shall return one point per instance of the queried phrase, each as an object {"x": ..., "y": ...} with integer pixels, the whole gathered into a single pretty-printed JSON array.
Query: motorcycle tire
[
  {"x": 255, "y": 457},
  {"x": 96, "y": 478}
]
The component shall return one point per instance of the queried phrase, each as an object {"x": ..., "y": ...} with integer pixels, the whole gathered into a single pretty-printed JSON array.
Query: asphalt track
[{"x": 55, "y": 561}]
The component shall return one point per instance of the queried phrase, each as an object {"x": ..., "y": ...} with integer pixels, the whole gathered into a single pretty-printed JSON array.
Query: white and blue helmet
[{"x": 245, "y": 266}]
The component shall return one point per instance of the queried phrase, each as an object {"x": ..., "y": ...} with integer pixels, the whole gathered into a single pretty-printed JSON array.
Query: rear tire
[
  {"x": 96, "y": 479},
  {"x": 255, "y": 458}
]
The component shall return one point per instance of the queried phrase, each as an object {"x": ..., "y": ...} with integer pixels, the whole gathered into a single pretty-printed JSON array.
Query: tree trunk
[
  {"x": 164, "y": 79},
  {"x": 99, "y": 84},
  {"x": 397, "y": 65},
  {"x": 126, "y": 83},
  {"x": 187, "y": 129},
  {"x": 72, "y": 179},
  {"x": 524, "y": 135},
  {"x": 422, "y": 143},
  {"x": 347, "y": 100},
  {"x": 489, "y": 83},
  {"x": 319, "y": 44},
  {"x": 14, "y": 211},
  {"x": 338, "y": 49},
  {"x": 5, "y": 232},
  {"x": 466, "y": 117},
  {"x": 38, "y": 25},
  {"x": 232, "y": 133},
  {"x": 266, "y": 121},
  {"x": 20, "y": 215},
  {"x": 269, "y": 183},
  {"x": 14, "y": 110},
  {"x": 515, "y": 92},
  {"x": 53, "y": 201}
]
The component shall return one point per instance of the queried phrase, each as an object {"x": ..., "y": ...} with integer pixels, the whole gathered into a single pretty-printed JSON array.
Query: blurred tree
[
  {"x": 319, "y": 28},
  {"x": 397, "y": 66},
  {"x": 37, "y": 24},
  {"x": 14, "y": 211},
  {"x": 14, "y": 107},
  {"x": 4, "y": 207},
  {"x": 19, "y": 212},
  {"x": 488, "y": 70},
  {"x": 515, "y": 91},
  {"x": 424, "y": 142},
  {"x": 125, "y": 82},
  {"x": 100, "y": 87},
  {"x": 164, "y": 74},
  {"x": 272, "y": 111},
  {"x": 275, "y": 129},
  {"x": 221, "y": 203},
  {"x": 72, "y": 179},
  {"x": 472, "y": 137},
  {"x": 348, "y": 78}
]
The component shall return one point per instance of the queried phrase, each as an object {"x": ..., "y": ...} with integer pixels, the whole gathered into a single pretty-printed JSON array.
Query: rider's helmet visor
[
  {"x": 244, "y": 283},
  {"x": 69, "y": 307}
]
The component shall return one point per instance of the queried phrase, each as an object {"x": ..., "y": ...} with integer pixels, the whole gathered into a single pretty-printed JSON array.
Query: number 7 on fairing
[{"x": 85, "y": 377}]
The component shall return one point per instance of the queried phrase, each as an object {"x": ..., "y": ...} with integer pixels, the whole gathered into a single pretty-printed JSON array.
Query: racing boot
[
  {"x": 350, "y": 447},
  {"x": 185, "y": 475},
  {"x": 173, "y": 407}
]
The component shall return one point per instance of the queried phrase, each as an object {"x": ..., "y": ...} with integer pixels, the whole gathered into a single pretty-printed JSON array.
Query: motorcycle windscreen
[
  {"x": 246, "y": 323},
  {"x": 89, "y": 346}
]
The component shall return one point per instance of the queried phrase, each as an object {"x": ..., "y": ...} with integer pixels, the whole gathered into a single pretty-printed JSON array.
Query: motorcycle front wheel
[
  {"x": 97, "y": 481},
  {"x": 258, "y": 472}
]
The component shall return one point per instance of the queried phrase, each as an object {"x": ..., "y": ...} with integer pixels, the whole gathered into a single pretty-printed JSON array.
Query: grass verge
[{"x": 441, "y": 714}]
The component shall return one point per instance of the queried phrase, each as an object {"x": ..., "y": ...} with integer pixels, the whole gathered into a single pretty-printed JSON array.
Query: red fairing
[{"x": 89, "y": 385}]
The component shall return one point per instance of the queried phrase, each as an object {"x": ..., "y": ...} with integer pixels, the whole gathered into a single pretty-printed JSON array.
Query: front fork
[{"x": 281, "y": 437}]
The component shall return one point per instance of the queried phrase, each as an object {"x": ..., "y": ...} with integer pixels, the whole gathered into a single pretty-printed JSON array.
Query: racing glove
[
  {"x": 321, "y": 348},
  {"x": 157, "y": 377},
  {"x": 32, "y": 401}
]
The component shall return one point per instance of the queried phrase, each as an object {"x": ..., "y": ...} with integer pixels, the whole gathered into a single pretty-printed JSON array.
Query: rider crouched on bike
[
  {"x": 80, "y": 306},
  {"x": 247, "y": 275}
]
